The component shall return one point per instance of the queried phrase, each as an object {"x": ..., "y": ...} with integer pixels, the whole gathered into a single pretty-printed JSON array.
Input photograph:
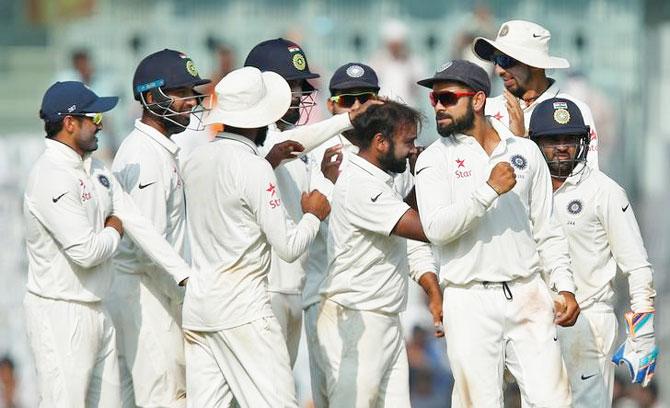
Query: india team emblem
[
  {"x": 575, "y": 207},
  {"x": 299, "y": 61},
  {"x": 561, "y": 116},
  {"x": 519, "y": 161},
  {"x": 191, "y": 69},
  {"x": 355, "y": 71},
  {"x": 103, "y": 180}
]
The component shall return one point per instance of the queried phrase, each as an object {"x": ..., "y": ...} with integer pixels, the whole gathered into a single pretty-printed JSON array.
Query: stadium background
[{"x": 619, "y": 50}]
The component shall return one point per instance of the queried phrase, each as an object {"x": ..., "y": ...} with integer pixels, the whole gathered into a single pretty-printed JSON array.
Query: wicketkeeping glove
[{"x": 639, "y": 351}]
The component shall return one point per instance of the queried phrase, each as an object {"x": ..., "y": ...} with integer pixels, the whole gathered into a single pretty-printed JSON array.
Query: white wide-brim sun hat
[
  {"x": 524, "y": 41},
  {"x": 248, "y": 98}
]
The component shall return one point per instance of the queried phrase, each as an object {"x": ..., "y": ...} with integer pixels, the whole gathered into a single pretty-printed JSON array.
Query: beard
[
  {"x": 457, "y": 125},
  {"x": 261, "y": 136},
  {"x": 392, "y": 164}
]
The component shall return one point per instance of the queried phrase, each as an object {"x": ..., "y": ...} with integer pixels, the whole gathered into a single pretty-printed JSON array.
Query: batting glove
[{"x": 639, "y": 351}]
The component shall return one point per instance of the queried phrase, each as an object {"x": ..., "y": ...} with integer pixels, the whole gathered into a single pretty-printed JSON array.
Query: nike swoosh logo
[
  {"x": 374, "y": 199},
  {"x": 141, "y": 186},
  {"x": 586, "y": 377},
  {"x": 555, "y": 338},
  {"x": 625, "y": 208},
  {"x": 536, "y": 36},
  {"x": 55, "y": 200},
  {"x": 420, "y": 170}
]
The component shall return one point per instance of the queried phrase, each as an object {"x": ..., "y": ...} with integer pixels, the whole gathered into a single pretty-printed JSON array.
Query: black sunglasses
[{"x": 504, "y": 61}]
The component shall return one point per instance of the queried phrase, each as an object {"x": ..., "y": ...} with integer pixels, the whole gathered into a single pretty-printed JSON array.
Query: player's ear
[{"x": 479, "y": 101}]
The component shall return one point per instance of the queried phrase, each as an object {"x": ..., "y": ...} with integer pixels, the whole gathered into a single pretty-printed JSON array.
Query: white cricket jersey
[
  {"x": 316, "y": 266},
  {"x": 478, "y": 236},
  {"x": 602, "y": 234},
  {"x": 367, "y": 265},
  {"x": 293, "y": 178},
  {"x": 147, "y": 167},
  {"x": 496, "y": 108},
  {"x": 66, "y": 202},
  {"x": 235, "y": 216}
]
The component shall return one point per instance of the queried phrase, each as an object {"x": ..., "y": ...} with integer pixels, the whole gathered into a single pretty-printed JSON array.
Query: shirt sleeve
[
  {"x": 261, "y": 193},
  {"x": 150, "y": 200},
  {"x": 57, "y": 205},
  {"x": 552, "y": 244},
  {"x": 443, "y": 220},
  {"x": 313, "y": 135},
  {"x": 374, "y": 209},
  {"x": 627, "y": 246},
  {"x": 144, "y": 234},
  {"x": 420, "y": 258}
]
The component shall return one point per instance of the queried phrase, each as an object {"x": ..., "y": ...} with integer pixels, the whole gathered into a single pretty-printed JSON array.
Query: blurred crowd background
[{"x": 620, "y": 56}]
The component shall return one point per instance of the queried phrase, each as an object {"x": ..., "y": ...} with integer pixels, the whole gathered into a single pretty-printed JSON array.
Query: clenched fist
[
  {"x": 316, "y": 203},
  {"x": 502, "y": 178}
]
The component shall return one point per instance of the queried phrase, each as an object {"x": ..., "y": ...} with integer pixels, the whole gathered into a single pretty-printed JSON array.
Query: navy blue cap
[
  {"x": 556, "y": 116},
  {"x": 167, "y": 69},
  {"x": 73, "y": 97},
  {"x": 354, "y": 75},
  {"x": 284, "y": 57},
  {"x": 468, "y": 73}
]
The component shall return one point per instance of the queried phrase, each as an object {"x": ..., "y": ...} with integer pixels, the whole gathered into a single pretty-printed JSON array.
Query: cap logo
[
  {"x": 503, "y": 31},
  {"x": 299, "y": 62},
  {"x": 191, "y": 69},
  {"x": 293, "y": 48},
  {"x": 444, "y": 66},
  {"x": 561, "y": 116},
  {"x": 560, "y": 105},
  {"x": 71, "y": 108},
  {"x": 355, "y": 71}
]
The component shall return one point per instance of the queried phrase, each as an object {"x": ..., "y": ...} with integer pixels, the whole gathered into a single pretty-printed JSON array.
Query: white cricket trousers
[
  {"x": 150, "y": 343},
  {"x": 74, "y": 345},
  {"x": 246, "y": 365},
  {"x": 587, "y": 349},
  {"x": 316, "y": 371},
  {"x": 287, "y": 308},
  {"x": 364, "y": 358},
  {"x": 493, "y": 326}
]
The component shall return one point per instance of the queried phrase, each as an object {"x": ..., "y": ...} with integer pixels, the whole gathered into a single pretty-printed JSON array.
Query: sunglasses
[
  {"x": 448, "y": 98},
  {"x": 96, "y": 118},
  {"x": 503, "y": 61},
  {"x": 348, "y": 100}
]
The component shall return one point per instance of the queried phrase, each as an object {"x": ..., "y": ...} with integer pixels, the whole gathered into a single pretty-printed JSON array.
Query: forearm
[
  {"x": 96, "y": 250},
  {"x": 641, "y": 289},
  {"x": 421, "y": 260},
  {"x": 294, "y": 240}
]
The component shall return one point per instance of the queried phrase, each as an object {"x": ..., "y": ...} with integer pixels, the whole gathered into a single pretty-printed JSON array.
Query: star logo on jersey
[
  {"x": 461, "y": 163},
  {"x": 575, "y": 207},
  {"x": 272, "y": 189},
  {"x": 519, "y": 161},
  {"x": 498, "y": 116},
  {"x": 592, "y": 134}
]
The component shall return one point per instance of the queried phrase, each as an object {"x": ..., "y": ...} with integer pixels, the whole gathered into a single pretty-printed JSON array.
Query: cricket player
[
  {"x": 521, "y": 57},
  {"x": 602, "y": 235},
  {"x": 145, "y": 308},
  {"x": 235, "y": 351},
  {"x": 485, "y": 201},
  {"x": 287, "y": 279},
  {"x": 76, "y": 213},
  {"x": 351, "y": 85},
  {"x": 365, "y": 289}
]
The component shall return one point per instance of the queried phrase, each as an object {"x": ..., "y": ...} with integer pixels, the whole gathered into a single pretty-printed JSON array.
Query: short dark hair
[{"x": 385, "y": 119}]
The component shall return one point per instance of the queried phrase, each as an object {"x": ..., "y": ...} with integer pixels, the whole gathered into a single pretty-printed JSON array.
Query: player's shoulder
[{"x": 603, "y": 182}]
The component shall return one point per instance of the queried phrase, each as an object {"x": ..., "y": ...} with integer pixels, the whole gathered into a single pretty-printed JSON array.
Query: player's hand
[
  {"x": 114, "y": 222},
  {"x": 502, "y": 178},
  {"x": 567, "y": 315},
  {"x": 282, "y": 151},
  {"x": 316, "y": 203},
  {"x": 331, "y": 167},
  {"x": 639, "y": 351},
  {"x": 357, "y": 108},
  {"x": 435, "y": 307},
  {"x": 516, "y": 123},
  {"x": 415, "y": 155}
]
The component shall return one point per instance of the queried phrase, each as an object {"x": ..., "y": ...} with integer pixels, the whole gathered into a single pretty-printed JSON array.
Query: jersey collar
[
  {"x": 157, "y": 137},
  {"x": 238, "y": 138},
  {"x": 373, "y": 170}
]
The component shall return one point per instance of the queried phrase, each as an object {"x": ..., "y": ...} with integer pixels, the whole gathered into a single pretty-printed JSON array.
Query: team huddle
[{"x": 169, "y": 283}]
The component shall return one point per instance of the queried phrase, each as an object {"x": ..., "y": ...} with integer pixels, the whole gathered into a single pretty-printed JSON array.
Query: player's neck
[
  {"x": 537, "y": 86},
  {"x": 484, "y": 134},
  {"x": 556, "y": 183}
]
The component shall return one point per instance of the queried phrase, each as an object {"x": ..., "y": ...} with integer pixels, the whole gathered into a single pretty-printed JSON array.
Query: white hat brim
[
  {"x": 483, "y": 48},
  {"x": 268, "y": 110}
]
